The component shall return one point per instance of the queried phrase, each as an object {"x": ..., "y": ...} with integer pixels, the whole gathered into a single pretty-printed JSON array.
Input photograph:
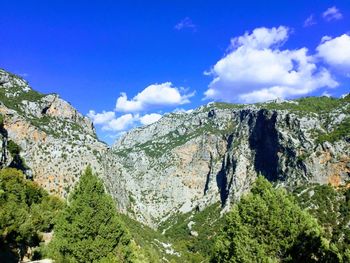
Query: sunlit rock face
[
  {"x": 56, "y": 141},
  {"x": 182, "y": 162},
  {"x": 215, "y": 153}
]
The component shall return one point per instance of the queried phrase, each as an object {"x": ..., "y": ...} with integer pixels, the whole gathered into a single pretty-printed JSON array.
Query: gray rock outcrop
[
  {"x": 182, "y": 162},
  {"x": 56, "y": 141},
  {"x": 215, "y": 153}
]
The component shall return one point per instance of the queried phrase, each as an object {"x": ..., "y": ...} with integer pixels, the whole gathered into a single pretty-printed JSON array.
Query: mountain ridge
[
  {"x": 50, "y": 134},
  {"x": 184, "y": 161},
  {"x": 214, "y": 153}
]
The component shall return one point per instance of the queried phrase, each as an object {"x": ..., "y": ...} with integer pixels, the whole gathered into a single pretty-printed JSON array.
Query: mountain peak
[
  {"x": 11, "y": 81},
  {"x": 56, "y": 141}
]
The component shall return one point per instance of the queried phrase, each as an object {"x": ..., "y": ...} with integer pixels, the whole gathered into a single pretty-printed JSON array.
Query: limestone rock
[
  {"x": 214, "y": 154},
  {"x": 184, "y": 161},
  {"x": 57, "y": 142}
]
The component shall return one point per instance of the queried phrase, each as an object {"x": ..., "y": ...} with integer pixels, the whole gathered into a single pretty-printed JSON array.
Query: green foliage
[
  {"x": 268, "y": 226},
  {"x": 89, "y": 229},
  {"x": 342, "y": 131},
  {"x": 146, "y": 238},
  {"x": 17, "y": 96},
  {"x": 25, "y": 211},
  {"x": 331, "y": 208},
  {"x": 2, "y": 118},
  {"x": 322, "y": 106},
  {"x": 13, "y": 148},
  {"x": 17, "y": 162},
  {"x": 206, "y": 223},
  {"x": 308, "y": 105}
]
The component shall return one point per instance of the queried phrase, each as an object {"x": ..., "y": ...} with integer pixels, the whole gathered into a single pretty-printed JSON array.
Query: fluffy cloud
[
  {"x": 261, "y": 38},
  {"x": 154, "y": 95},
  {"x": 101, "y": 118},
  {"x": 120, "y": 124},
  {"x": 109, "y": 122},
  {"x": 255, "y": 69},
  {"x": 125, "y": 105},
  {"x": 150, "y": 118},
  {"x": 336, "y": 52},
  {"x": 332, "y": 13}
]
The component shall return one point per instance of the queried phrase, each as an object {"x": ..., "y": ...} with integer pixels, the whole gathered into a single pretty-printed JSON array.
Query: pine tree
[
  {"x": 268, "y": 226},
  {"x": 89, "y": 229},
  {"x": 25, "y": 210}
]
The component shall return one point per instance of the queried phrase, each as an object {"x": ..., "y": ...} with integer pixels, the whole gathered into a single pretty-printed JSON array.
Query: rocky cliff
[
  {"x": 45, "y": 136},
  {"x": 182, "y": 162},
  {"x": 213, "y": 154}
]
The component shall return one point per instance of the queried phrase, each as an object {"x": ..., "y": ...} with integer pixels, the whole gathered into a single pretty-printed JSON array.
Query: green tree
[
  {"x": 13, "y": 148},
  {"x": 331, "y": 207},
  {"x": 25, "y": 211},
  {"x": 89, "y": 228},
  {"x": 268, "y": 226}
]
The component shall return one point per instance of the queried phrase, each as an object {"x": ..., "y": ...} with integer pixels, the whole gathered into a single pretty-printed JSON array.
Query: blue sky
[{"x": 159, "y": 56}]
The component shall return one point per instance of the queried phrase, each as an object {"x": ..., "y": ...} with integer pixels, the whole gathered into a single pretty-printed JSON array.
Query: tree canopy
[
  {"x": 267, "y": 225},
  {"x": 25, "y": 211},
  {"x": 89, "y": 228}
]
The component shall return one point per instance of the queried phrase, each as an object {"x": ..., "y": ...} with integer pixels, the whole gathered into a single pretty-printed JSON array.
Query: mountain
[
  {"x": 185, "y": 161},
  {"x": 54, "y": 141},
  {"x": 188, "y": 161}
]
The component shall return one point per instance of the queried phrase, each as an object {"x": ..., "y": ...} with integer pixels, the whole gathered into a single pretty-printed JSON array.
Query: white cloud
[
  {"x": 336, "y": 52},
  {"x": 150, "y": 118},
  {"x": 101, "y": 118},
  {"x": 326, "y": 94},
  {"x": 109, "y": 122},
  {"x": 255, "y": 69},
  {"x": 310, "y": 21},
  {"x": 181, "y": 110},
  {"x": 261, "y": 38},
  {"x": 332, "y": 13},
  {"x": 185, "y": 23},
  {"x": 154, "y": 95},
  {"x": 125, "y": 105},
  {"x": 120, "y": 124}
]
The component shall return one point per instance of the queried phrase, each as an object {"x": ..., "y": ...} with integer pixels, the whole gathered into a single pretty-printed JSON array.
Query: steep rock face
[
  {"x": 56, "y": 141},
  {"x": 190, "y": 160},
  {"x": 185, "y": 160}
]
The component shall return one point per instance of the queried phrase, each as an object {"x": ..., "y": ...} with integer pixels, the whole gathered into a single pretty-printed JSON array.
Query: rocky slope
[
  {"x": 213, "y": 154},
  {"x": 184, "y": 161},
  {"x": 55, "y": 141}
]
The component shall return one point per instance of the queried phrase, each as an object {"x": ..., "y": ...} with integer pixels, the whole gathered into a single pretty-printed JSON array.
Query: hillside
[
  {"x": 172, "y": 180},
  {"x": 55, "y": 142},
  {"x": 184, "y": 161},
  {"x": 214, "y": 153}
]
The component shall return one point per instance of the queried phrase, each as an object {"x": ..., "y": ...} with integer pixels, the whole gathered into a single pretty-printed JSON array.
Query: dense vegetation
[
  {"x": 342, "y": 131},
  {"x": 267, "y": 225},
  {"x": 318, "y": 105},
  {"x": 331, "y": 207},
  {"x": 89, "y": 229},
  {"x": 26, "y": 211},
  {"x": 194, "y": 233}
]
